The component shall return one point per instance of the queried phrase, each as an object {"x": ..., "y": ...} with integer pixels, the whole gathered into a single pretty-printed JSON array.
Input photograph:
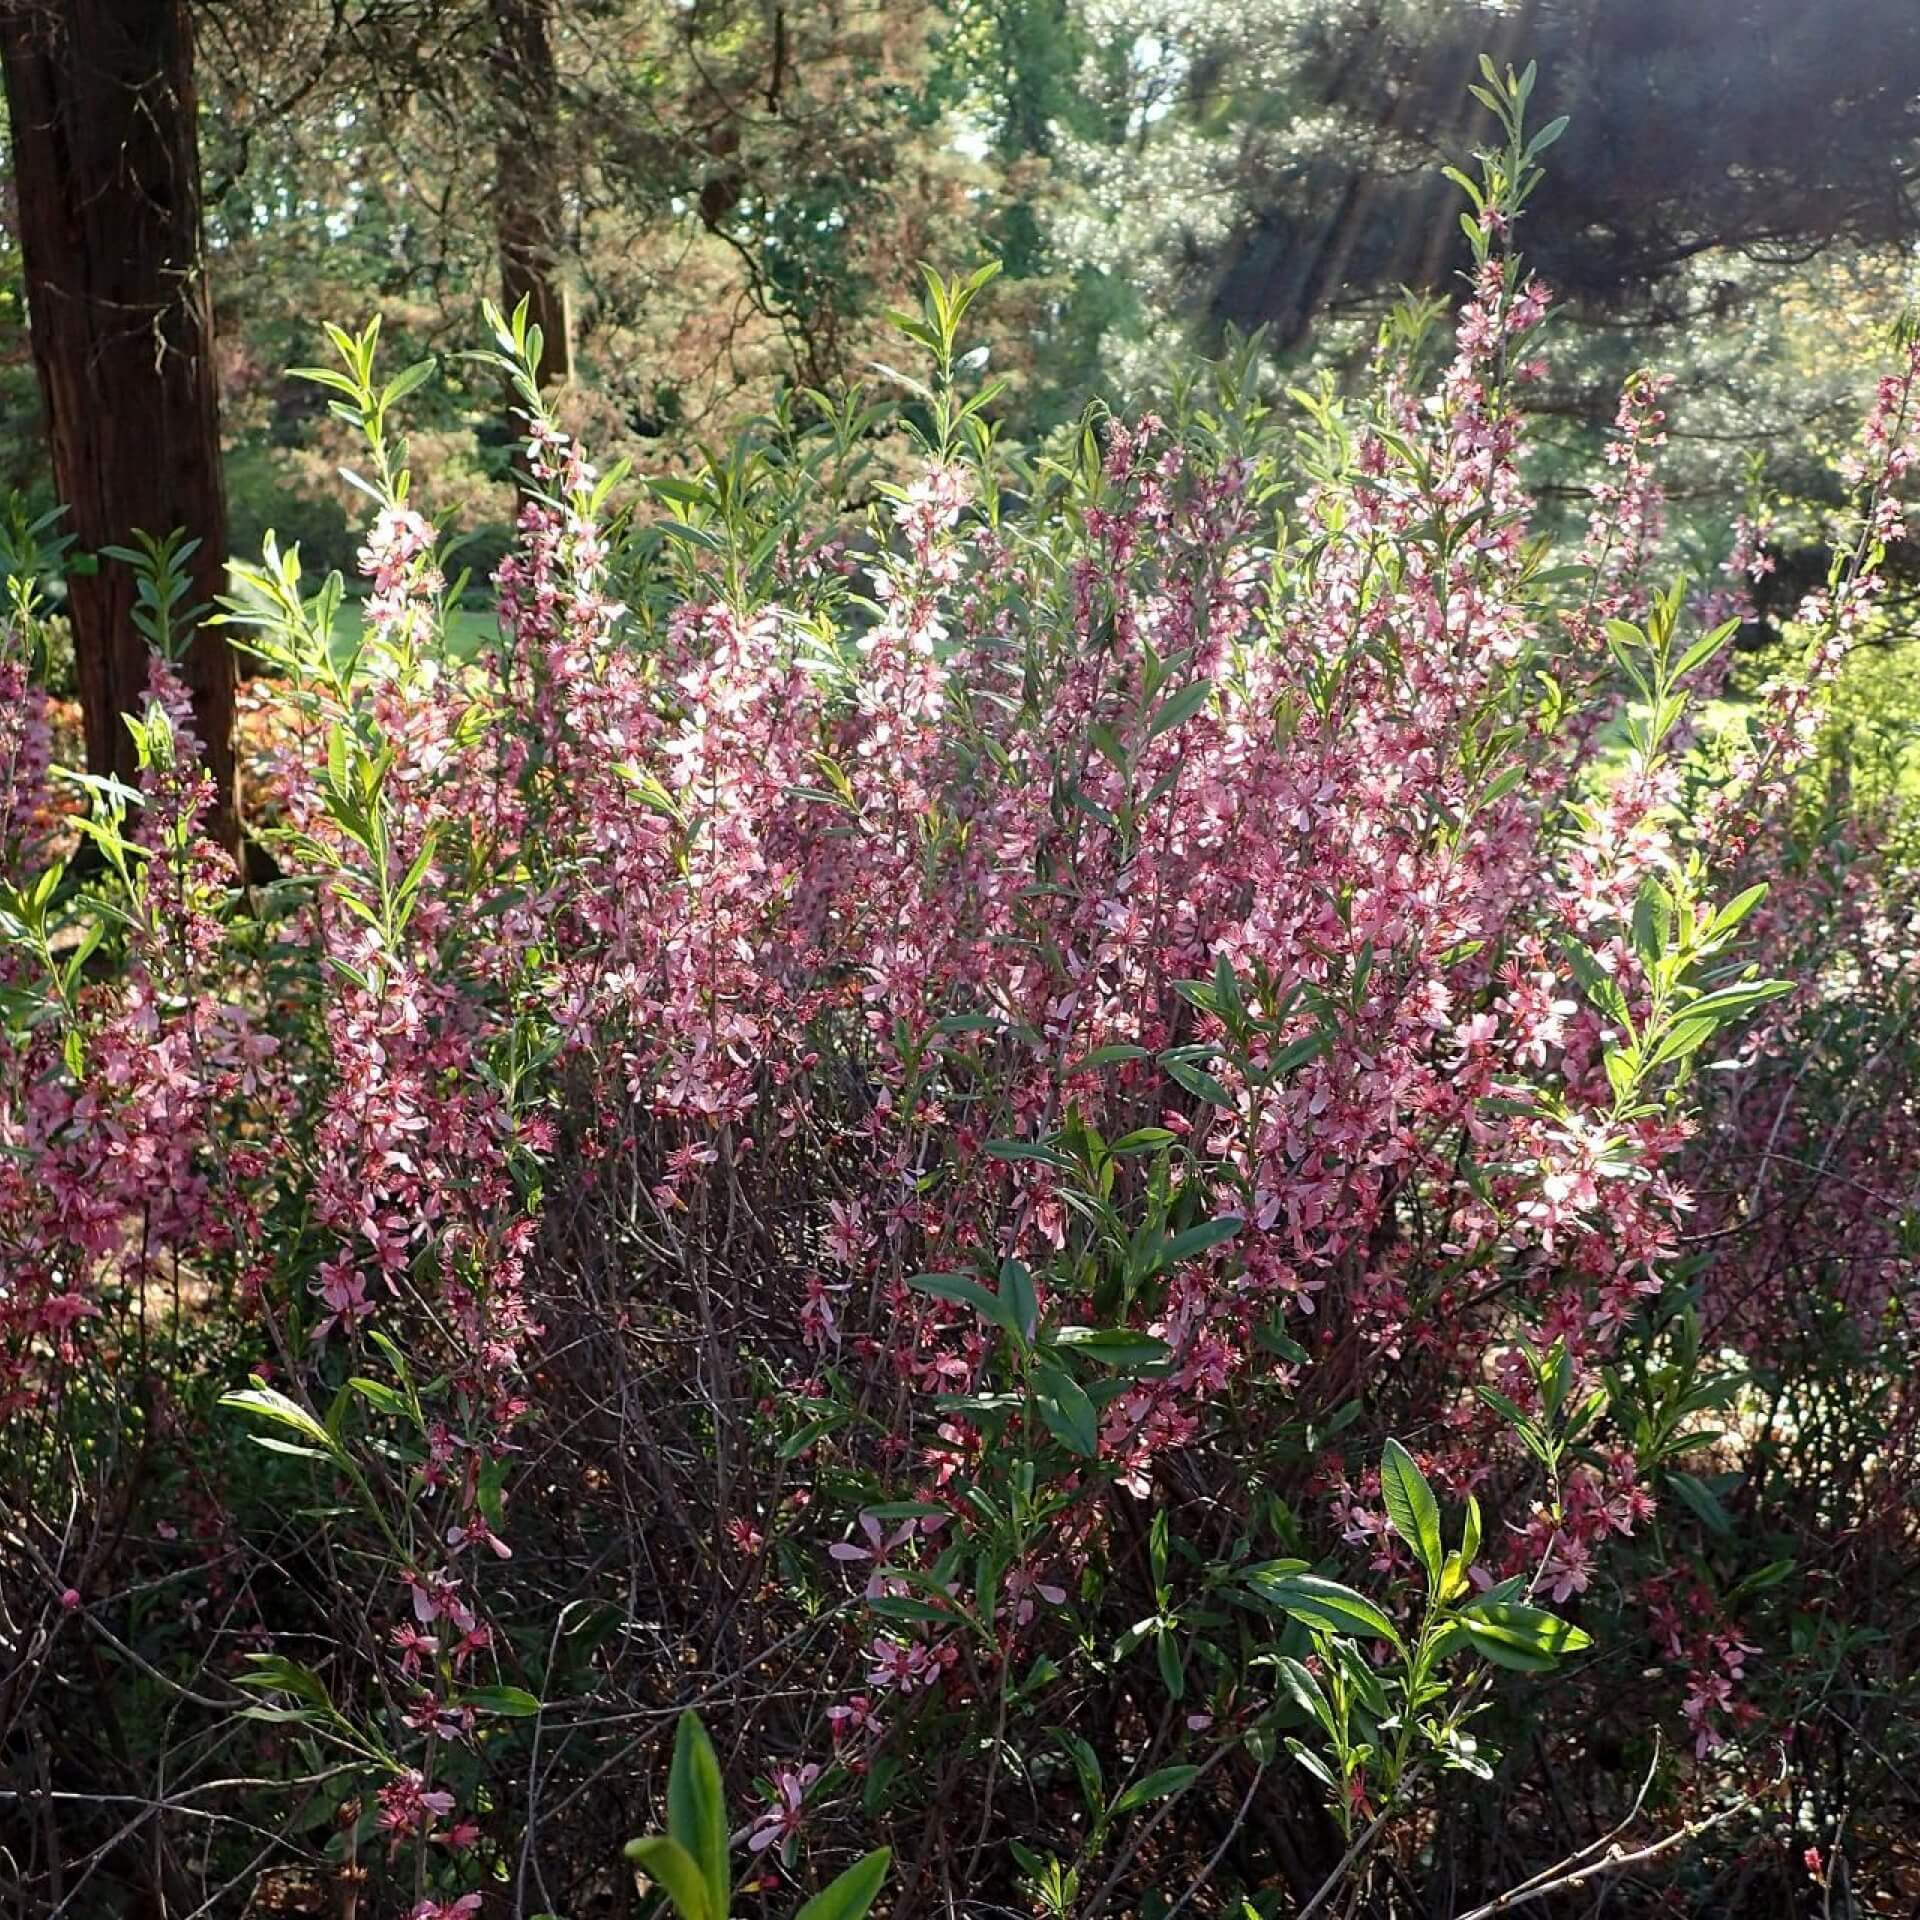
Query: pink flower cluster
[{"x": 1172, "y": 923}]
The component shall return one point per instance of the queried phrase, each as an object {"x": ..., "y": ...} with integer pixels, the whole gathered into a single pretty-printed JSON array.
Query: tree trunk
[
  {"x": 527, "y": 210},
  {"x": 107, "y": 175}
]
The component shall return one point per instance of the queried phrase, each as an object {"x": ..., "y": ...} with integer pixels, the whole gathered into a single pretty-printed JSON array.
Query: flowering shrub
[{"x": 1049, "y": 1152}]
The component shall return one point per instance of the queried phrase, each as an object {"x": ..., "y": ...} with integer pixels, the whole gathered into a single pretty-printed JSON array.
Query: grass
[{"x": 469, "y": 630}]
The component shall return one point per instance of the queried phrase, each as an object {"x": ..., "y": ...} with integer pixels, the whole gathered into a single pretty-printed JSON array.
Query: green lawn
[{"x": 470, "y": 630}]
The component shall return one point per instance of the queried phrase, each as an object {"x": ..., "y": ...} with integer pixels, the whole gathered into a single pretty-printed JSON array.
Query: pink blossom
[{"x": 782, "y": 1821}]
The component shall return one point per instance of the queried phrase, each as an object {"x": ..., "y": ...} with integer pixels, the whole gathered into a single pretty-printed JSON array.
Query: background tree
[
  {"x": 1284, "y": 154},
  {"x": 107, "y": 189},
  {"x": 710, "y": 201},
  {"x": 528, "y": 210}
]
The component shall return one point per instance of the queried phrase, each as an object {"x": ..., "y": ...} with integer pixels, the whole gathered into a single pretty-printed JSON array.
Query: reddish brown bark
[
  {"x": 106, "y": 164},
  {"x": 527, "y": 207}
]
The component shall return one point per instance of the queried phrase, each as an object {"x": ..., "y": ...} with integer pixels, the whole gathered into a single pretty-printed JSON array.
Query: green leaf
[
  {"x": 1703, "y": 1501},
  {"x": 1086, "y": 1767},
  {"x": 1017, "y": 1298},
  {"x": 1623, "y": 1069},
  {"x": 1156, "y": 1786},
  {"x": 511, "y": 1703},
  {"x": 382, "y": 1397},
  {"x": 1196, "y": 1240},
  {"x": 1325, "y": 1603},
  {"x": 276, "y": 1673},
  {"x": 987, "y": 1571},
  {"x": 282, "y": 1716},
  {"x": 697, "y": 1810},
  {"x": 1198, "y": 1080},
  {"x": 669, "y": 1865},
  {"x": 1107, "y": 1057},
  {"x": 900, "y": 1606},
  {"x": 1705, "y": 648},
  {"x": 1173, "y": 1672},
  {"x": 1521, "y": 1422},
  {"x": 1180, "y": 707},
  {"x": 1545, "y": 138},
  {"x": 1361, "y": 1678},
  {"x": 1204, "y": 994},
  {"x": 1411, "y": 1507},
  {"x": 967, "y": 1292},
  {"x": 1688, "y": 1036},
  {"x": 1015, "y": 1149},
  {"x": 1114, "y": 1346},
  {"x": 795, "y": 1444},
  {"x": 1069, "y": 1414},
  {"x": 1736, "y": 910},
  {"x": 1306, "y": 1693},
  {"x": 1728, "y": 1002},
  {"x": 265, "y": 1403},
  {"x": 1652, "y": 908},
  {"x": 1502, "y": 784},
  {"x": 1628, "y": 644},
  {"x": 1296, "y": 1053},
  {"x": 1143, "y": 1140},
  {"x": 1524, "y": 1638},
  {"x": 1470, "y": 1533},
  {"x": 1768, "y": 1576},
  {"x": 1304, "y": 1754},
  {"x": 849, "y": 1897},
  {"x": 956, "y": 1023},
  {"x": 406, "y": 380},
  {"x": 272, "y": 1445},
  {"x": 395, "y": 1358},
  {"x": 1273, "y": 1335},
  {"x": 1276, "y": 1569}
]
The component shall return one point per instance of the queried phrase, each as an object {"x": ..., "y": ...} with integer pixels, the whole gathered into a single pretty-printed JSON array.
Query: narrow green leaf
[
  {"x": 1028, "y": 1150},
  {"x": 278, "y": 1674},
  {"x": 1086, "y": 1767},
  {"x": 849, "y": 1897},
  {"x": 1197, "y": 1080},
  {"x": 967, "y": 1292},
  {"x": 1107, "y": 1057},
  {"x": 1067, "y": 1411},
  {"x": 1193, "y": 1241},
  {"x": 1296, "y": 1053},
  {"x": 1156, "y": 1786},
  {"x": 1703, "y": 1501},
  {"x": 1018, "y": 1299},
  {"x": 266, "y": 1403},
  {"x": 298, "y": 1452},
  {"x": 1306, "y": 1693},
  {"x": 1728, "y": 1002},
  {"x": 795, "y": 1444},
  {"x": 1524, "y": 1638},
  {"x": 512, "y": 1703},
  {"x": 1182, "y": 706},
  {"x": 1705, "y": 648},
  {"x": 670, "y": 1866},
  {"x": 1113, "y": 1346},
  {"x": 697, "y": 1810},
  {"x": 1325, "y": 1603},
  {"x": 382, "y": 1397},
  {"x": 1737, "y": 909},
  {"x": 900, "y": 1606},
  {"x": 1411, "y": 1507},
  {"x": 1173, "y": 1672}
]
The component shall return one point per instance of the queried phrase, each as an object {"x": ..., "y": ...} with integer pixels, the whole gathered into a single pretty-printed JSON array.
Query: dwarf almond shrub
[{"x": 1059, "y": 1146}]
